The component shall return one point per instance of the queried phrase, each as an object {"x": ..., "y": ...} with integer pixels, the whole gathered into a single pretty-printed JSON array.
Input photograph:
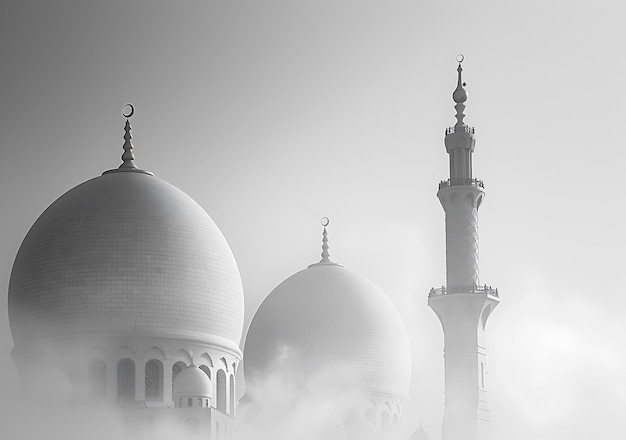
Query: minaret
[{"x": 463, "y": 305}]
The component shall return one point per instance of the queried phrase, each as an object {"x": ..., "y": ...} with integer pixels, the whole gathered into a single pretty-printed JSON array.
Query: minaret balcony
[
  {"x": 440, "y": 291},
  {"x": 466, "y": 128},
  {"x": 461, "y": 181}
]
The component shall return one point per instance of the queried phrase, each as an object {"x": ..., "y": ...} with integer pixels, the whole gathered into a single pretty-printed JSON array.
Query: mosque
[{"x": 125, "y": 291}]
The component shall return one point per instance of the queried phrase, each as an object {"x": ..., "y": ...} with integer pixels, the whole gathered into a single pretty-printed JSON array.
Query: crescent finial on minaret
[
  {"x": 128, "y": 157},
  {"x": 460, "y": 95}
]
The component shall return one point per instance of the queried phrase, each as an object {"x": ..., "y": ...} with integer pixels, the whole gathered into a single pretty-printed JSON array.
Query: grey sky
[{"x": 273, "y": 114}]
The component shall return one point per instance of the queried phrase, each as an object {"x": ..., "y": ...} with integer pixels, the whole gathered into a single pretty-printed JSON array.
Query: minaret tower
[{"x": 463, "y": 305}]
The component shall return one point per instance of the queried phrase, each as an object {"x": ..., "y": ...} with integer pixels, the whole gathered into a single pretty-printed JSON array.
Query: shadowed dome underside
[
  {"x": 327, "y": 327},
  {"x": 125, "y": 253}
]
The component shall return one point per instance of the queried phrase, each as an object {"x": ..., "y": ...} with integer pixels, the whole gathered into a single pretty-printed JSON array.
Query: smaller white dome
[{"x": 192, "y": 382}]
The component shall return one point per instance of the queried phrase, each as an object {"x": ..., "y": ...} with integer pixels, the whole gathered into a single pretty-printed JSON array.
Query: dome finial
[
  {"x": 460, "y": 95},
  {"x": 128, "y": 157},
  {"x": 325, "y": 254}
]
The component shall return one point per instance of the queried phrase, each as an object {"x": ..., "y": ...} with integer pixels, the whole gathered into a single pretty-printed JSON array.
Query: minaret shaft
[
  {"x": 461, "y": 203},
  {"x": 463, "y": 305},
  {"x": 463, "y": 315}
]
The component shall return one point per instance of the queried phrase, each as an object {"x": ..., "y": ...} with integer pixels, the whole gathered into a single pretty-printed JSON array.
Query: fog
[{"x": 273, "y": 114}]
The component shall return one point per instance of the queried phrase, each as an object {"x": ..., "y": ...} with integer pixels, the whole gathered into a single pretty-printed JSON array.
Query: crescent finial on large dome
[{"x": 128, "y": 158}]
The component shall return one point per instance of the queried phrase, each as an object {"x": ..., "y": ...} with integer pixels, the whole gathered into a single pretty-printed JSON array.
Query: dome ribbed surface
[
  {"x": 125, "y": 253},
  {"x": 327, "y": 326}
]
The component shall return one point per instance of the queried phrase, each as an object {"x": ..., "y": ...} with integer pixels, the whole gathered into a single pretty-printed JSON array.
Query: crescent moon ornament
[
  {"x": 325, "y": 221},
  {"x": 460, "y": 58},
  {"x": 128, "y": 110}
]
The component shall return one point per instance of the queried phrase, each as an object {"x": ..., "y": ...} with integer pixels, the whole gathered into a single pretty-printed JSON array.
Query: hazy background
[{"x": 272, "y": 114}]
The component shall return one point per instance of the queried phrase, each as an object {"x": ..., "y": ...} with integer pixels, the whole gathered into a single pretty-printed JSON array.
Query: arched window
[
  {"x": 98, "y": 377},
  {"x": 232, "y": 395},
  {"x": 370, "y": 415},
  {"x": 177, "y": 368},
  {"x": 126, "y": 379},
  {"x": 221, "y": 391},
  {"x": 190, "y": 402},
  {"x": 153, "y": 379}
]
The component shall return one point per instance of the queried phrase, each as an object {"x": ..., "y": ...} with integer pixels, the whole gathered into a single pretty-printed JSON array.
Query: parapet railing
[
  {"x": 467, "y": 129},
  {"x": 461, "y": 181},
  {"x": 439, "y": 291}
]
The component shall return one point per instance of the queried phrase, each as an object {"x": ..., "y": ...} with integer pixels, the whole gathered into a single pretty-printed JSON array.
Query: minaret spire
[
  {"x": 463, "y": 304},
  {"x": 460, "y": 140},
  {"x": 460, "y": 95}
]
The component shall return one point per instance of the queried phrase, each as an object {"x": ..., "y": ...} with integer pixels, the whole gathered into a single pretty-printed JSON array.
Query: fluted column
[{"x": 461, "y": 203}]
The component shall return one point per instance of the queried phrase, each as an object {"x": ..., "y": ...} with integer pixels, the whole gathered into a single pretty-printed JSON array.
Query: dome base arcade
[{"x": 92, "y": 368}]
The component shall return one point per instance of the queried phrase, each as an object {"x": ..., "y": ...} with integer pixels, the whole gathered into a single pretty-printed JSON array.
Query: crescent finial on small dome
[
  {"x": 325, "y": 254},
  {"x": 325, "y": 221}
]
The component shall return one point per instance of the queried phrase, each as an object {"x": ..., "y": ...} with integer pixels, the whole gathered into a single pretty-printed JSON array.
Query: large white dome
[
  {"x": 327, "y": 326},
  {"x": 128, "y": 254}
]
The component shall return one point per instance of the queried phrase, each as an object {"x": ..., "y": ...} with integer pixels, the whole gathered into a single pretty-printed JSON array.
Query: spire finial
[
  {"x": 460, "y": 95},
  {"x": 325, "y": 254},
  {"x": 128, "y": 157}
]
